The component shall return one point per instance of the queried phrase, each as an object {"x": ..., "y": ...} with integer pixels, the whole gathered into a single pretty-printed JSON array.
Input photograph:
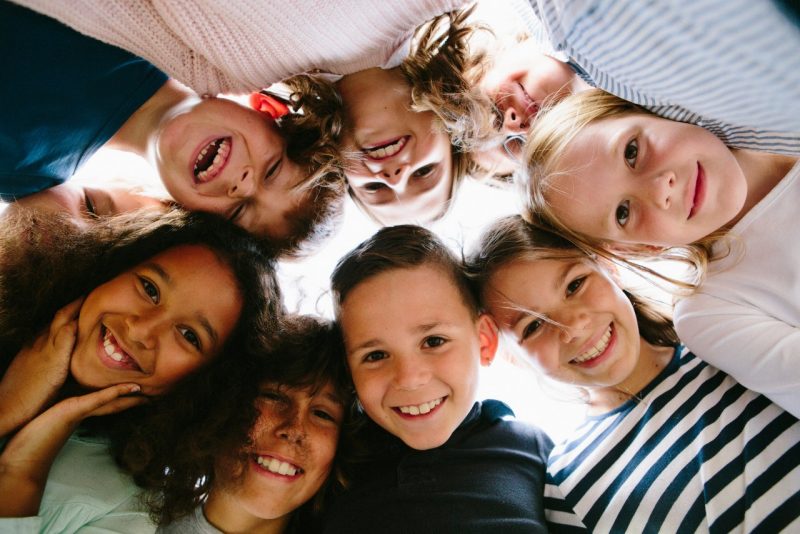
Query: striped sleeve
[
  {"x": 699, "y": 451},
  {"x": 730, "y": 65}
]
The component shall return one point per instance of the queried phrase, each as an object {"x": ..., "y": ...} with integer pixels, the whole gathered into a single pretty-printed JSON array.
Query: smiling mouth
[
  {"x": 387, "y": 149},
  {"x": 599, "y": 348},
  {"x": 420, "y": 409},
  {"x": 115, "y": 353},
  {"x": 212, "y": 159},
  {"x": 277, "y": 467},
  {"x": 699, "y": 191}
]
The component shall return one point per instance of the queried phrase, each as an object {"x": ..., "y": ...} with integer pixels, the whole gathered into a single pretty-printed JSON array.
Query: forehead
[{"x": 400, "y": 297}]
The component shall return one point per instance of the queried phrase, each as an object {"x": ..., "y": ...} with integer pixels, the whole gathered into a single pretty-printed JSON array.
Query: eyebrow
[{"x": 200, "y": 318}]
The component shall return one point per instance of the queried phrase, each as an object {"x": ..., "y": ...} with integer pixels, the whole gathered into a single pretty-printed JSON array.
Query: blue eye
[
  {"x": 631, "y": 153},
  {"x": 623, "y": 213},
  {"x": 150, "y": 289},
  {"x": 191, "y": 336}
]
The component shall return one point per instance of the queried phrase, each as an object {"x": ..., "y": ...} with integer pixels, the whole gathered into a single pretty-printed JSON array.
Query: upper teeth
[
  {"x": 423, "y": 408},
  {"x": 598, "y": 348},
  {"x": 273, "y": 465},
  {"x": 389, "y": 150},
  {"x": 223, "y": 150},
  {"x": 111, "y": 349}
]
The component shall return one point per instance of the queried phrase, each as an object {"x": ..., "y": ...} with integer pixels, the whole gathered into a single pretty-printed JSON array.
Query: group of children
[{"x": 191, "y": 400}]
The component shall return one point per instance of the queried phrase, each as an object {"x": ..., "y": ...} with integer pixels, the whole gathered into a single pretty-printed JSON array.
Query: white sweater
[
  {"x": 745, "y": 319},
  {"x": 238, "y": 46}
]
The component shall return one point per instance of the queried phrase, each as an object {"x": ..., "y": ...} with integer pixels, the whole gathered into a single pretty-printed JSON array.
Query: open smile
[
  {"x": 270, "y": 465},
  {"x": 211, "y": 159},
  {"x": 113, "y": 355},
  {"x": 599, "y": 349},
  {"x": 386, "y": 149},
  {"x": 698, "y": 191},
  {"x": 413, "y": 411}
]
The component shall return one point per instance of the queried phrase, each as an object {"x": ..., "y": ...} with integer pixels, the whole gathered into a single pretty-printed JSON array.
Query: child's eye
[
  {"x": 373, "y": 187},
  {"x": 432, "y": 342},
  {"x": 623, "y": 212},
  {"x": 631, "y": 153},
  {"x": 531, "y": 328},
  {"x": 322, "y": 414},
  {"x": 575, "y": 285},
  {"x": 237, "y": 213},
  {"x": 424, "y": 171},
  {"x": 191, "y": 336},
  {"x": 150, "y": 289},
  {"x": 272, "y": 170},
  {"x": 375, "y": 356}
]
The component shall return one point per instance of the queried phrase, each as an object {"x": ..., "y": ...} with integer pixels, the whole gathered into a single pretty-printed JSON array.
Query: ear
[
  {"x": 487, "y": 334},
  {"x": 269, "y": 105}
]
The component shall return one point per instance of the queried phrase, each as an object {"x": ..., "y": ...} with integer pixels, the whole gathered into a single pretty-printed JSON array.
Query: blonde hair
[{"x": 554, "y": 129}]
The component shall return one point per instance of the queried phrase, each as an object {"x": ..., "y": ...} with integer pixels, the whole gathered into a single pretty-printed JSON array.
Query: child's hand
[
  {"x": 38, "y": 371},
  {"x": 26, "y": 460}
]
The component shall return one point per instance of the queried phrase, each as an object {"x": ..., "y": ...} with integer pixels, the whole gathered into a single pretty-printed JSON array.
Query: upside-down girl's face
[
  {"x": 291, "y": 455},
  {"x": 157, "y": 322},
  {"x": 569, "y": 317},
  {"x": 219, "y": 156},
  {"x": 402, "y": 168},
  {"x": 641, "y": 179}
]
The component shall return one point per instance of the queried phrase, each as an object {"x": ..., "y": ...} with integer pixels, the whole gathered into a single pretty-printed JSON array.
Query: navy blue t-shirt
[
  {"x": 488, "y": 477},
  {"x": 62, "y": 96}
]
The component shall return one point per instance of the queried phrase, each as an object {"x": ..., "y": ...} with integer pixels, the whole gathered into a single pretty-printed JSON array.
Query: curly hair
[
  {"x": 552, "y": 132},
  {"x": 46, "y": 261},
  {"x": 312, "y": 132},
  {"x": 511, "y": 238},
  {"x": 398, "y": 247},
  {"x": 173, "y": 452}
]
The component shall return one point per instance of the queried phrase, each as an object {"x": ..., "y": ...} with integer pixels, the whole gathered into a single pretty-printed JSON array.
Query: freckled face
[
  {"x": 414, "y": 352},
  {"x": 156, "y": 323},
  {"x": 402, "y": 168},
  {"x": 293, "y": 447},
  {"x": 641, "y": 179}
]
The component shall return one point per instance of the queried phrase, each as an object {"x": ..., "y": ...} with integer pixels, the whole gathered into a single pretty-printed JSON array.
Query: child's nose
[
  {"x": 395, "y": 174},
  {"x": 243, "y": 186},
  {"x": 410, "y": 373},
  {"x": 142, "y": 329},
  {"x": 662, "y": 189},
  {"x": 514, "y": 120},
  {"x": 292, "y": 429},
  {"x": 574, "y": 324}
]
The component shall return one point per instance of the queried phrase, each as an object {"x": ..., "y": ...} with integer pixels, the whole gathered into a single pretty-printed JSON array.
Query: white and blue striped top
[
  {"x": 698, "y": 453},
  {"x": 731, "y": 66}
]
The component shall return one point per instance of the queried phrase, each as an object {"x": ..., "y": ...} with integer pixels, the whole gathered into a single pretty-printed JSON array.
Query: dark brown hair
[
  {"x": 46, "y": 261},
  {"x": 174, "y": 452},
  {"x": 512, "y": 238},
  {"x": 398, "y": 247}
]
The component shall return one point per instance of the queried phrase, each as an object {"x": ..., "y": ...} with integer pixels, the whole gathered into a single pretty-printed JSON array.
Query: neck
[
  {"x": 762, "y": 172},
  {"x": 141, "y": 128},
  {"x": 652, "y": 360},
  {"x": 224, "y": 512}
]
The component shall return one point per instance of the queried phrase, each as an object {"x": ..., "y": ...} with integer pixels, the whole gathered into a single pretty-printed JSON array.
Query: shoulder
[{"x": 501, "y": 426}]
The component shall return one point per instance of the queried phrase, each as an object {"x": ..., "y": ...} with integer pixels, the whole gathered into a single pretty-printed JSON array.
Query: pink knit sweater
[{"x": 237, "y": 46}]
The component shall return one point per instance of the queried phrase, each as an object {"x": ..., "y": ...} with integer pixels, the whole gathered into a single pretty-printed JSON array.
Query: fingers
[
  {"x": 64, "y": 322},
  {"x": 104, "y": 401}
]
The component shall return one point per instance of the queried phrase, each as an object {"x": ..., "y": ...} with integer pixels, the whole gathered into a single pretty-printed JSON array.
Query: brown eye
[
  {"x": 424, "y": 171},
  {"x": 373, "y": 187},
  {"x": 623, "y": 213}
]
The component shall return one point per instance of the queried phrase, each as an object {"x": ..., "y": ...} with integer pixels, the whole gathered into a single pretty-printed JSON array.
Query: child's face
[
  {"x": 519, "y": 82},
  {"x": 597, "y": 344},
  {"x": 293, "y": 447},
  {"x": 402, "y": 172},
  {"x": 414, "y": 353},
  {"x": 157, "y": 322},
  {"x": 641, "y": 179},
  {"x": 84, "y": 204},
  {"x": 218, "y": 156}
]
